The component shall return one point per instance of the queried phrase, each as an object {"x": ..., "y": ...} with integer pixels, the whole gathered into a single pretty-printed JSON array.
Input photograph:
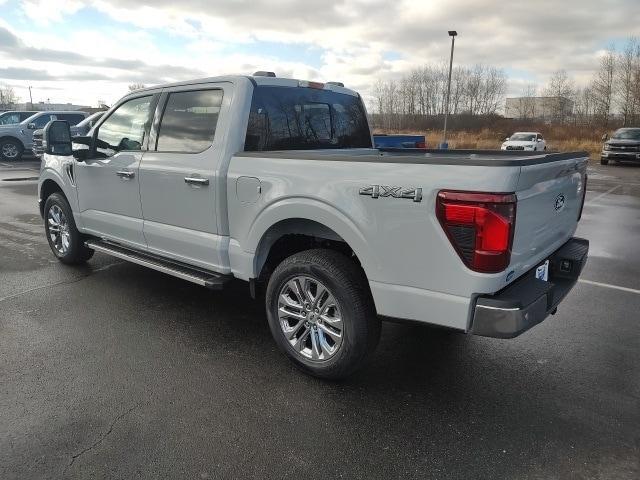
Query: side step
[{"x": 212, "y": 280}]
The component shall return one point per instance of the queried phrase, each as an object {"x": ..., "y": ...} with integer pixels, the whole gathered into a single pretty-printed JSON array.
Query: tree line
[
  {"x": 415, "y": 101},
  {"x": 475, "y": 91}
]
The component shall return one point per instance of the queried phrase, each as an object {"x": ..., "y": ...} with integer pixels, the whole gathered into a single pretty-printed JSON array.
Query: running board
[{"x": 212, "y": 280}]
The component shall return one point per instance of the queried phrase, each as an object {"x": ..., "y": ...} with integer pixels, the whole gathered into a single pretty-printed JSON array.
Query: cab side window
[
  {"x": 125, "y": 128},
  {"x": 189, "y": 121},
  {"x": 41, "y": 121}
]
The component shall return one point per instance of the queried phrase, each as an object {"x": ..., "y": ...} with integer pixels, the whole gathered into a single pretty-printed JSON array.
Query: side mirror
[
  {"x": 82, "y": 153},
  {"x": 31, "y": 126},
  {"x": 506, "y": 139},
  {"x": 56, "y": 138}
]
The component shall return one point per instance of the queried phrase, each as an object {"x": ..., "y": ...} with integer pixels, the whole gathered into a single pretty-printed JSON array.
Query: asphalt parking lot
[{"x": 112, "y": 370}]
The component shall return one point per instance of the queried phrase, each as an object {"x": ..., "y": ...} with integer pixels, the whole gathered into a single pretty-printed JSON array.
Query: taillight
[
  {"x": 421, "y": 144},
  {"x": 480, "y": 227}
]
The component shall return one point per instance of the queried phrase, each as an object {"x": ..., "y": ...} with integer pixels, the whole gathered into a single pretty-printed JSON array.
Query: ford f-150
[{"x": 275, "y": 182}]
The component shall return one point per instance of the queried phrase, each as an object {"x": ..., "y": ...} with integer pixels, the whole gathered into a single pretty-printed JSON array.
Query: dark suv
[{"x": 624, "y": 145}]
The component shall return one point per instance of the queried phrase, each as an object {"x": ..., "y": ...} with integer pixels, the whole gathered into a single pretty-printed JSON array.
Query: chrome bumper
[{"x": 528, "y": 300}]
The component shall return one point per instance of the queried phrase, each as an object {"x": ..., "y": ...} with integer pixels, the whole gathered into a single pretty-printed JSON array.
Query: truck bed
[{"x": 497, "y": 158}]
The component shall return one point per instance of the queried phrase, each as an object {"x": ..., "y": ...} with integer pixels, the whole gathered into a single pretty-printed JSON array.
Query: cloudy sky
[{"x": 81, "y": 51}]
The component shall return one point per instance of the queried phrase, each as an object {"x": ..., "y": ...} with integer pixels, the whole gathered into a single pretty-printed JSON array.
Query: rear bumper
[{"x": 528, "y": 300}]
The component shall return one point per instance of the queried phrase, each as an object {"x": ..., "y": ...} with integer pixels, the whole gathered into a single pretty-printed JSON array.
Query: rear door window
[{"x": 189, "y": 120}]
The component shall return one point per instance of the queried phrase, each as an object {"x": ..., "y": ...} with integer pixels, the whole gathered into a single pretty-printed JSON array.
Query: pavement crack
[{"x": 100, "y": 439}]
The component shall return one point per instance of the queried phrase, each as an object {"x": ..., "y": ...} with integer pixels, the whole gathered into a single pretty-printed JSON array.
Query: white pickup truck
[{"x": 274, "y": 181}]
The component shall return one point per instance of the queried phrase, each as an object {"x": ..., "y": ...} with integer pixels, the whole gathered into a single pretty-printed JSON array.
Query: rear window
[{"x": 297, "y": 118}]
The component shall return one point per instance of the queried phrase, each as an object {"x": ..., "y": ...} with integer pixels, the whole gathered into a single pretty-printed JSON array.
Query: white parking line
[
  {"x": 608, "y": 285},
  {"x": 598, "y": 197}
]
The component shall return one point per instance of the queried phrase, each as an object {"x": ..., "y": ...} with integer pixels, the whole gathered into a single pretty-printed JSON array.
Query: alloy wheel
[
  {"x": 310, "y": 318},
  {"x": 59, "y": 230},
  {"x": 10, "y": 150}
]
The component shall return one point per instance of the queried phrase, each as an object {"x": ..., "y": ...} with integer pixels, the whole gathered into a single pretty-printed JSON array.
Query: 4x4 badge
[{"x": 376, "y": 191}]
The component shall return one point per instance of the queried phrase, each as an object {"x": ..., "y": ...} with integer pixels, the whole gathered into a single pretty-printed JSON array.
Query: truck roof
[{"x": 254, "y": 79}]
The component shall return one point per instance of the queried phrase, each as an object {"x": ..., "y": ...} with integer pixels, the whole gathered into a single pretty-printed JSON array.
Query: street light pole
[
  {"x": 30, "y": 98},
  {"x": 444, "y": 144}
]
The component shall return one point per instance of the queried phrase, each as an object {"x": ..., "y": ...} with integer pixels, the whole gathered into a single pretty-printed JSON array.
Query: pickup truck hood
[{"x": 623, "y": 143}]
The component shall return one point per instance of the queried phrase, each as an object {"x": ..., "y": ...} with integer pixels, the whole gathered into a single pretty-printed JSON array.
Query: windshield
[
  {"x": 300, "y": 118},
  {"x": 523, "y": 137},
  {"x": 627, "y": 134}
]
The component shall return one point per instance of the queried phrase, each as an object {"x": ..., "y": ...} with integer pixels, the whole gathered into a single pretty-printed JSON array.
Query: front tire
[
  {"x": 65, "y": 241},
  {"x": 321, "y": 313},
  {"x": 11, "y": 149}
]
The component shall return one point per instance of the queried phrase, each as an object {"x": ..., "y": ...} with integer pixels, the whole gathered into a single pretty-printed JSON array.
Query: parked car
[
  {"x": 524, "y": 141},
  {"x": 81, "y": 128},
  {"x": 14, "y": 139},
  {"x": 624, "y": 145},
  {"x": 13, "y": 117},
  {"x": 381, "y": 140},
  {"x": 275, "y": 182}
]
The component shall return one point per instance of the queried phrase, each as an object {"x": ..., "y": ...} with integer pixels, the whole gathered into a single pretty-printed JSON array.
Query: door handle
[
  {"x": 196, "y": 181},
  {"x": 125, "y": 174}
]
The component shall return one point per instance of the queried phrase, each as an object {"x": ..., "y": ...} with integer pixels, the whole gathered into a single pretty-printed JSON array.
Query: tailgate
[{"x": 550, "y": 197}]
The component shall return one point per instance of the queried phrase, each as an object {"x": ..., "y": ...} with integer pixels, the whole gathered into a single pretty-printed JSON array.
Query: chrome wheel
[
  {"x": 310, "y": 318},
  {"x": 10, "y": 150},
  {"x": 58, "y": 230}
]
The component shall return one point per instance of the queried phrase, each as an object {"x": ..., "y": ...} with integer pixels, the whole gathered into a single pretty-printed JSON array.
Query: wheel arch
[
  {"x": 47, "y": 187},
  {"x": 14, "y": 138},
  {"x": 308, "y": 219}
]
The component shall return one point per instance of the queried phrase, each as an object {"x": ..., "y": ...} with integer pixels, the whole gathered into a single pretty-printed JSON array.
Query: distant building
[
  {"x": 42, "y": 106},
  {"x": 545, "y": 108}
]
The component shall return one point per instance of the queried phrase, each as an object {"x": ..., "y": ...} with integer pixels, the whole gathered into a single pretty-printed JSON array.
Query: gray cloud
[{"x": 139, "y": 71}]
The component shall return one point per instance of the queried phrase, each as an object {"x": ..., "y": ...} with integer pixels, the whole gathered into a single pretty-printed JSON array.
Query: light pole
[
  {"x": 30, "y": 99},
  {"x": 444, "y": 144}
]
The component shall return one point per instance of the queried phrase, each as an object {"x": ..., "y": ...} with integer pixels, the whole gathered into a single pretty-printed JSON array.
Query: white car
[
  {"x": 524, "y": 141},
  {"x": 276, "y": 182}
]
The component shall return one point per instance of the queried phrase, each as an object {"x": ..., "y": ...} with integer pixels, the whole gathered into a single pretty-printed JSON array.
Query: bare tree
[
  {"x": 559, "y": 92},
  {"x": 628, "y": 81},
  {"x": 602, "y": 86},
  {"x": 526, "y": 106},
  {"x": 8, "y": 97}
]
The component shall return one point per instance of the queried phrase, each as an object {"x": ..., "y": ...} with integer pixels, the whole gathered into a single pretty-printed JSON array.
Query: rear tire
[
  {"x": 11, "y": 149},
  {"x": 65, "y": 241},
  {"x": 604, "y": 161},
  {"x": 335, "y": 339}
]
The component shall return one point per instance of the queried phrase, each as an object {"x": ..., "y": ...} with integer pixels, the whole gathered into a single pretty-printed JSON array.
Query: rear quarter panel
[{"x": 399, "y": 242}]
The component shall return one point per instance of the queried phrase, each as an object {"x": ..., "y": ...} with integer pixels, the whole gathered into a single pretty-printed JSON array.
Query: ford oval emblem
[{"x": 559, "y": 202}]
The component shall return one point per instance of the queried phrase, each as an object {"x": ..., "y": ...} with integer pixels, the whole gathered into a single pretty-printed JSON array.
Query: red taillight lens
[
  {"x": 480, "y": 227},
  {"x": 421, "y": 144}
]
